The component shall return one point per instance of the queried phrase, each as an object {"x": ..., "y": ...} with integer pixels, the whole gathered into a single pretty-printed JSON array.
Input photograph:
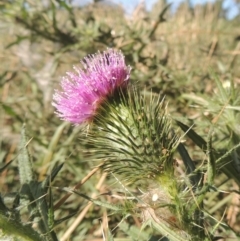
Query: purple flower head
[{"x": 84, "y": 90}]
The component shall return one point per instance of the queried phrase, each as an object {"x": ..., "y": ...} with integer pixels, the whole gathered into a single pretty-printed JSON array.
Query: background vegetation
[{"x": 178, "y": 56}]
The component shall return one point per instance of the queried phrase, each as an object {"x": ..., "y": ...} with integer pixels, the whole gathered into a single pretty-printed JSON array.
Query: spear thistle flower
[
  {"x": 84, "y": 91},
  {"x": 131, "y": 132}
]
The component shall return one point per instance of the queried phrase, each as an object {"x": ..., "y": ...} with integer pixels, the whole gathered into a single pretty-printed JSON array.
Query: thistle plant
[
  {"x": 133, "y": 134},
  {"x": 167, "y": 179}
]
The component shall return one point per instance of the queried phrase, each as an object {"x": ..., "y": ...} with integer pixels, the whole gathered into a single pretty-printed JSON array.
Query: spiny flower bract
[{"x": 84, "y": 90}]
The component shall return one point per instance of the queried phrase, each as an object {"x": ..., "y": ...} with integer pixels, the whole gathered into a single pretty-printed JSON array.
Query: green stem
[{"x": 168, "y": 232}]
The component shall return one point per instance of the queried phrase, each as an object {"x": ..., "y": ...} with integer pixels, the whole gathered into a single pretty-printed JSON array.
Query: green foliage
[
  {"x": 170, "y": 55},
  {"x": 32, "y": 195}
]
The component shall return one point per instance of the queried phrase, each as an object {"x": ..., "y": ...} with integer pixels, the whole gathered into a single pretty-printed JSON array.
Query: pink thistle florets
[{"x": 83, "y": 91}]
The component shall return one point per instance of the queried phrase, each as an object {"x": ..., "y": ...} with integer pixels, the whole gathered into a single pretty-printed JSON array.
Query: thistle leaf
[
  {"x": 24, "y": 160},
  {"x": 57, "y": 222},
  {"x": 5, "y": 166},
  {"x": 51, "y": 177},
  {"x": 13, "y": 230},
  {"x": 198, "y": 140}
]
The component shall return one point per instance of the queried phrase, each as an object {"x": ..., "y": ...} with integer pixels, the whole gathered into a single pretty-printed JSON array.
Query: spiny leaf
[
  {"x": 3, "y": 207},
  {"x": 11, "y": 112},
  {"x": 189, "y": 164},
  {"x": 198, "y": 140},
  {"x": 5, "y": 166},
  {"x": 57, "y": 222},
  {"x": 211, "y": 160},
  {"x": 51, "y": 177},
  {"x": 13, "y": 230},
  {"x": 24, "y": 160}
]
